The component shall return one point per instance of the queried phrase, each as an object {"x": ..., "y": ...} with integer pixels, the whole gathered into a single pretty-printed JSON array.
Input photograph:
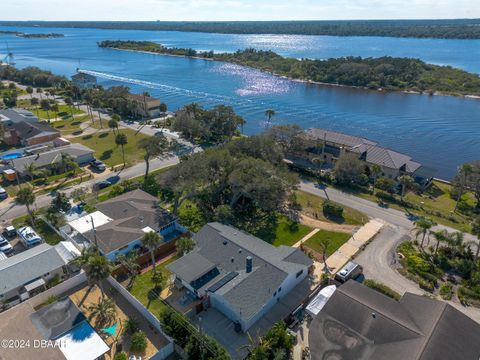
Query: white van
[{"x": 29, "y": 237}]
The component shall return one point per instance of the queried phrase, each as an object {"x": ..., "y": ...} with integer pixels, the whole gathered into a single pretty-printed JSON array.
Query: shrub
[
  {"x": 446, "y": 291},
  {"x": 331, "y": 209},
  {"x": 382, "y": 288},
  {"x": 138, "y": 342},
  {"x": 121, "y": 356},
  {"x": 131, "y": 326}
]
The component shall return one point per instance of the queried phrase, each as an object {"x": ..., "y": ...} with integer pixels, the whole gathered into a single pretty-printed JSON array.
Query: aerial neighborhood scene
[{"x": 238, "y": 180}]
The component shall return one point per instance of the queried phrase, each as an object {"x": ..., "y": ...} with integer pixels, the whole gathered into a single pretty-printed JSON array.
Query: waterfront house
[
  {"x": 84, "y": 81},
  {"x": 119, "y": 224},
  {"x": 145, "y": 106},
  {"x": 238, "y": 274},
  {"x": 322, "y": 147},
  {"x": 359, "y": 323}
]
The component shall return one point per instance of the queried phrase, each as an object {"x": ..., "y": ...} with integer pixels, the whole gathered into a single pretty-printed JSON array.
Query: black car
[
  {"x": 97, "y": 165},
  {"x": 101, "y": 185}
]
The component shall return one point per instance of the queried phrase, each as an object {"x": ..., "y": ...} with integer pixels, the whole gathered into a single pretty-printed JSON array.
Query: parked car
[
  {"x": 29, "y": 237},
  {"x": 97, "y": 165},
  {"x": 10, "y": 232},
  {"x": 101, "y": 185},
  {"x": 5, "y": 246},
  {"x": 3, "y": 193},
  {"x": 350, "y": 271}
]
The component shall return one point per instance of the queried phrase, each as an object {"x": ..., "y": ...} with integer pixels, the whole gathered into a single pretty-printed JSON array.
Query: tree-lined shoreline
[
  {"x": 384, "y": 73},
  {"x": 436, "y": 29}
]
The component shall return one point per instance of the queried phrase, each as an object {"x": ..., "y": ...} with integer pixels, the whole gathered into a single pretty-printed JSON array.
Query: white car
[
  {"x": 3, "y": 193},
  {"x": 5, "y": 246}
]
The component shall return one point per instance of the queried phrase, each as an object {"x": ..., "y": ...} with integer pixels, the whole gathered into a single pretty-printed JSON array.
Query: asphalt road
[{"x": 12, "y": 211}]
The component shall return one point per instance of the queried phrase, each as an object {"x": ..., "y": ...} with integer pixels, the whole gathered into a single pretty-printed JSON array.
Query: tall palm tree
[
  {"x": 122, "y": 140},
  {"x": 25, "y": 196},
  {"x": 103, "y": 312},
  {"x": 151, "y": 240},
  {"x": 423, "y": 227},
  {"x": 324, "y": 245},
  {"x": 29, "y": 91},
  {"x": 464, "y": 172},
  {"x": 113, "y": 123},
  {"x": 375, "y": 171},
  {"x": 269, "y": 113},
  {"x": 31, "y": 170},
  {"x": 129, "y": 262},
  {"x": 407, "y": 182},
  {"x": 440, "y": 236},
  {"x": 97, "y": 268}
]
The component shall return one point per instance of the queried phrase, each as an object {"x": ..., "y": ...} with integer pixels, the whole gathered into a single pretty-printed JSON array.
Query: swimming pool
[{"x": 11, "y": 156}]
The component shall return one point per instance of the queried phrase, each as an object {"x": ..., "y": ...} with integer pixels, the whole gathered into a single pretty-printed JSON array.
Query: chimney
[{"x": 249, "y": 264}]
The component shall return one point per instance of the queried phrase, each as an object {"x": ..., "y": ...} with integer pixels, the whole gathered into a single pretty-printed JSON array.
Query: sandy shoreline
[{"x": 381, "y": 90}]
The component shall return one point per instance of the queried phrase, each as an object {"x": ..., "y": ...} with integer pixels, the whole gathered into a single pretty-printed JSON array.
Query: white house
[{"x": 238, "y": 274}]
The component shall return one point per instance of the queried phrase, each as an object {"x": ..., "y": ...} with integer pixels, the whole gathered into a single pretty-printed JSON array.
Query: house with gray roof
[
  {"x": 359, "y": 323},
  {"x": 324, "y": 147},
  {"x": 23, "y": 128},
  {"x": 26, "y": 274},
  {"x": 239, "y": 274},
  {"x": 51, "y": 158},
  {"x": 119, "y": 224}
]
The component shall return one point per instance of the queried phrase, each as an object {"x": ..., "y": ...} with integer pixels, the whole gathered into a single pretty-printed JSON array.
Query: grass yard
[
  {"x": 286, "y": 232},
  {"x": 312, "y": 207},
  {"x": 64, "y": 112},
  {"x": 107, "y": 151},
  {"x": 48, "y": 235},
  {"x": 144, "y": 290},
  {"x": 69, "y": 126},
  {"x": 435, "y": 203},
  {"x": 337, "y": 239}
]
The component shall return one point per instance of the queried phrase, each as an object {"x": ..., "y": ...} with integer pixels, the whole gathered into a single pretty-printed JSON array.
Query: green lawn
[
  {"x": 64, "y": 111},
  {"x": 48, "y": 235},
  {"x": 312, "y": 207},
  {"x": 143, "y": 289},
  {"x": 435, "y": 203},
  {"x": 69, "y": 126},
  {"x": 286, "y": 232},
  {"x": 337, "y": 239},
  {"x": 107, "y": 151}
]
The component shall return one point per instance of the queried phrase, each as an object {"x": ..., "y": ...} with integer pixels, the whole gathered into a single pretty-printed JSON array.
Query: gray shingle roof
[
  {"x": 27, "y": 130},
  {"x": 338, "y": 138},
  {"x": 228, "y": 248},
  {"x": 360, "y": 323},
  {"x": 192, "y": 266},
  {"x": 27, "y": 266},
  {"x": 17, "y": 115},
  {"x": 131, "y": 212},
  {"x": 52, "y": 156}
]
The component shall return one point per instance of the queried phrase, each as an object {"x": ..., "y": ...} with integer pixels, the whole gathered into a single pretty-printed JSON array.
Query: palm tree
[
  {"x": 113, "y": 123},
  {"x": 423, "y": 227},
  {"x": 31, "y": 169},
  {"x": 129, "y": 262},
  {"x": 25, "y": 196},
  {"x": 375, "y": 171},
  {"x": 29, "y": 91},
  {"x": 185, "y": 244},
  {"x": 103, "y": 312},
  {"x": 45, "y": 105},
  {"x": 407, "y": 182},
  {"x": 464, "y": 172},
  {"x": 440, "y": 236},
  {"x": 153, "y": 146},
  {"x": 476, "y": 232},
  {"x": 122, "y": 140},
  {"x": 151, "y": 240},
  {"x": 324, "y": 244},
  {"x": 97, "y": 268},
  {"x": 269, "y": 113},
  {"x": 455, "y": 242}
]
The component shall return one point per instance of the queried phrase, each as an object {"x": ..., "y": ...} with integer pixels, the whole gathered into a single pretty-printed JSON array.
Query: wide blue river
[{"x": 439, "y": 131}]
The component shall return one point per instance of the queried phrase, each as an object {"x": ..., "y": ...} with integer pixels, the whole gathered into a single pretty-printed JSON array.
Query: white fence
[
  {"x": 167, "y": 350},
  {"x": 59, "y": 289}
]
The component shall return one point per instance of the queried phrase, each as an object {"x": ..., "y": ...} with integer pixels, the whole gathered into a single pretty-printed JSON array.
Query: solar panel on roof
[{"x": 230, "y": 276}]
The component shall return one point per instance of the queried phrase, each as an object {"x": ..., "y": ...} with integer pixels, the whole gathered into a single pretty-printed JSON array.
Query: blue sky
[{"x": 236, "y": 9}]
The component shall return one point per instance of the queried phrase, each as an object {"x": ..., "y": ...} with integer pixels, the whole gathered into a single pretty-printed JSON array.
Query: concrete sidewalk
[{"x": 352, "y": 247}]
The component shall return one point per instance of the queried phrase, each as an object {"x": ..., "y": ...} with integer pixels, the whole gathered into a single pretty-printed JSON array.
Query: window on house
[{"x": 299, "y": 273}]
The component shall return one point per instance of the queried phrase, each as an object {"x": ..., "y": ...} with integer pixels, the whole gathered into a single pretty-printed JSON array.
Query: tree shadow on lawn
[
  {"x": 153, "y": 294},
  {"x": 107, "y": 154},
  {"x": 103, "y": 135}
]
